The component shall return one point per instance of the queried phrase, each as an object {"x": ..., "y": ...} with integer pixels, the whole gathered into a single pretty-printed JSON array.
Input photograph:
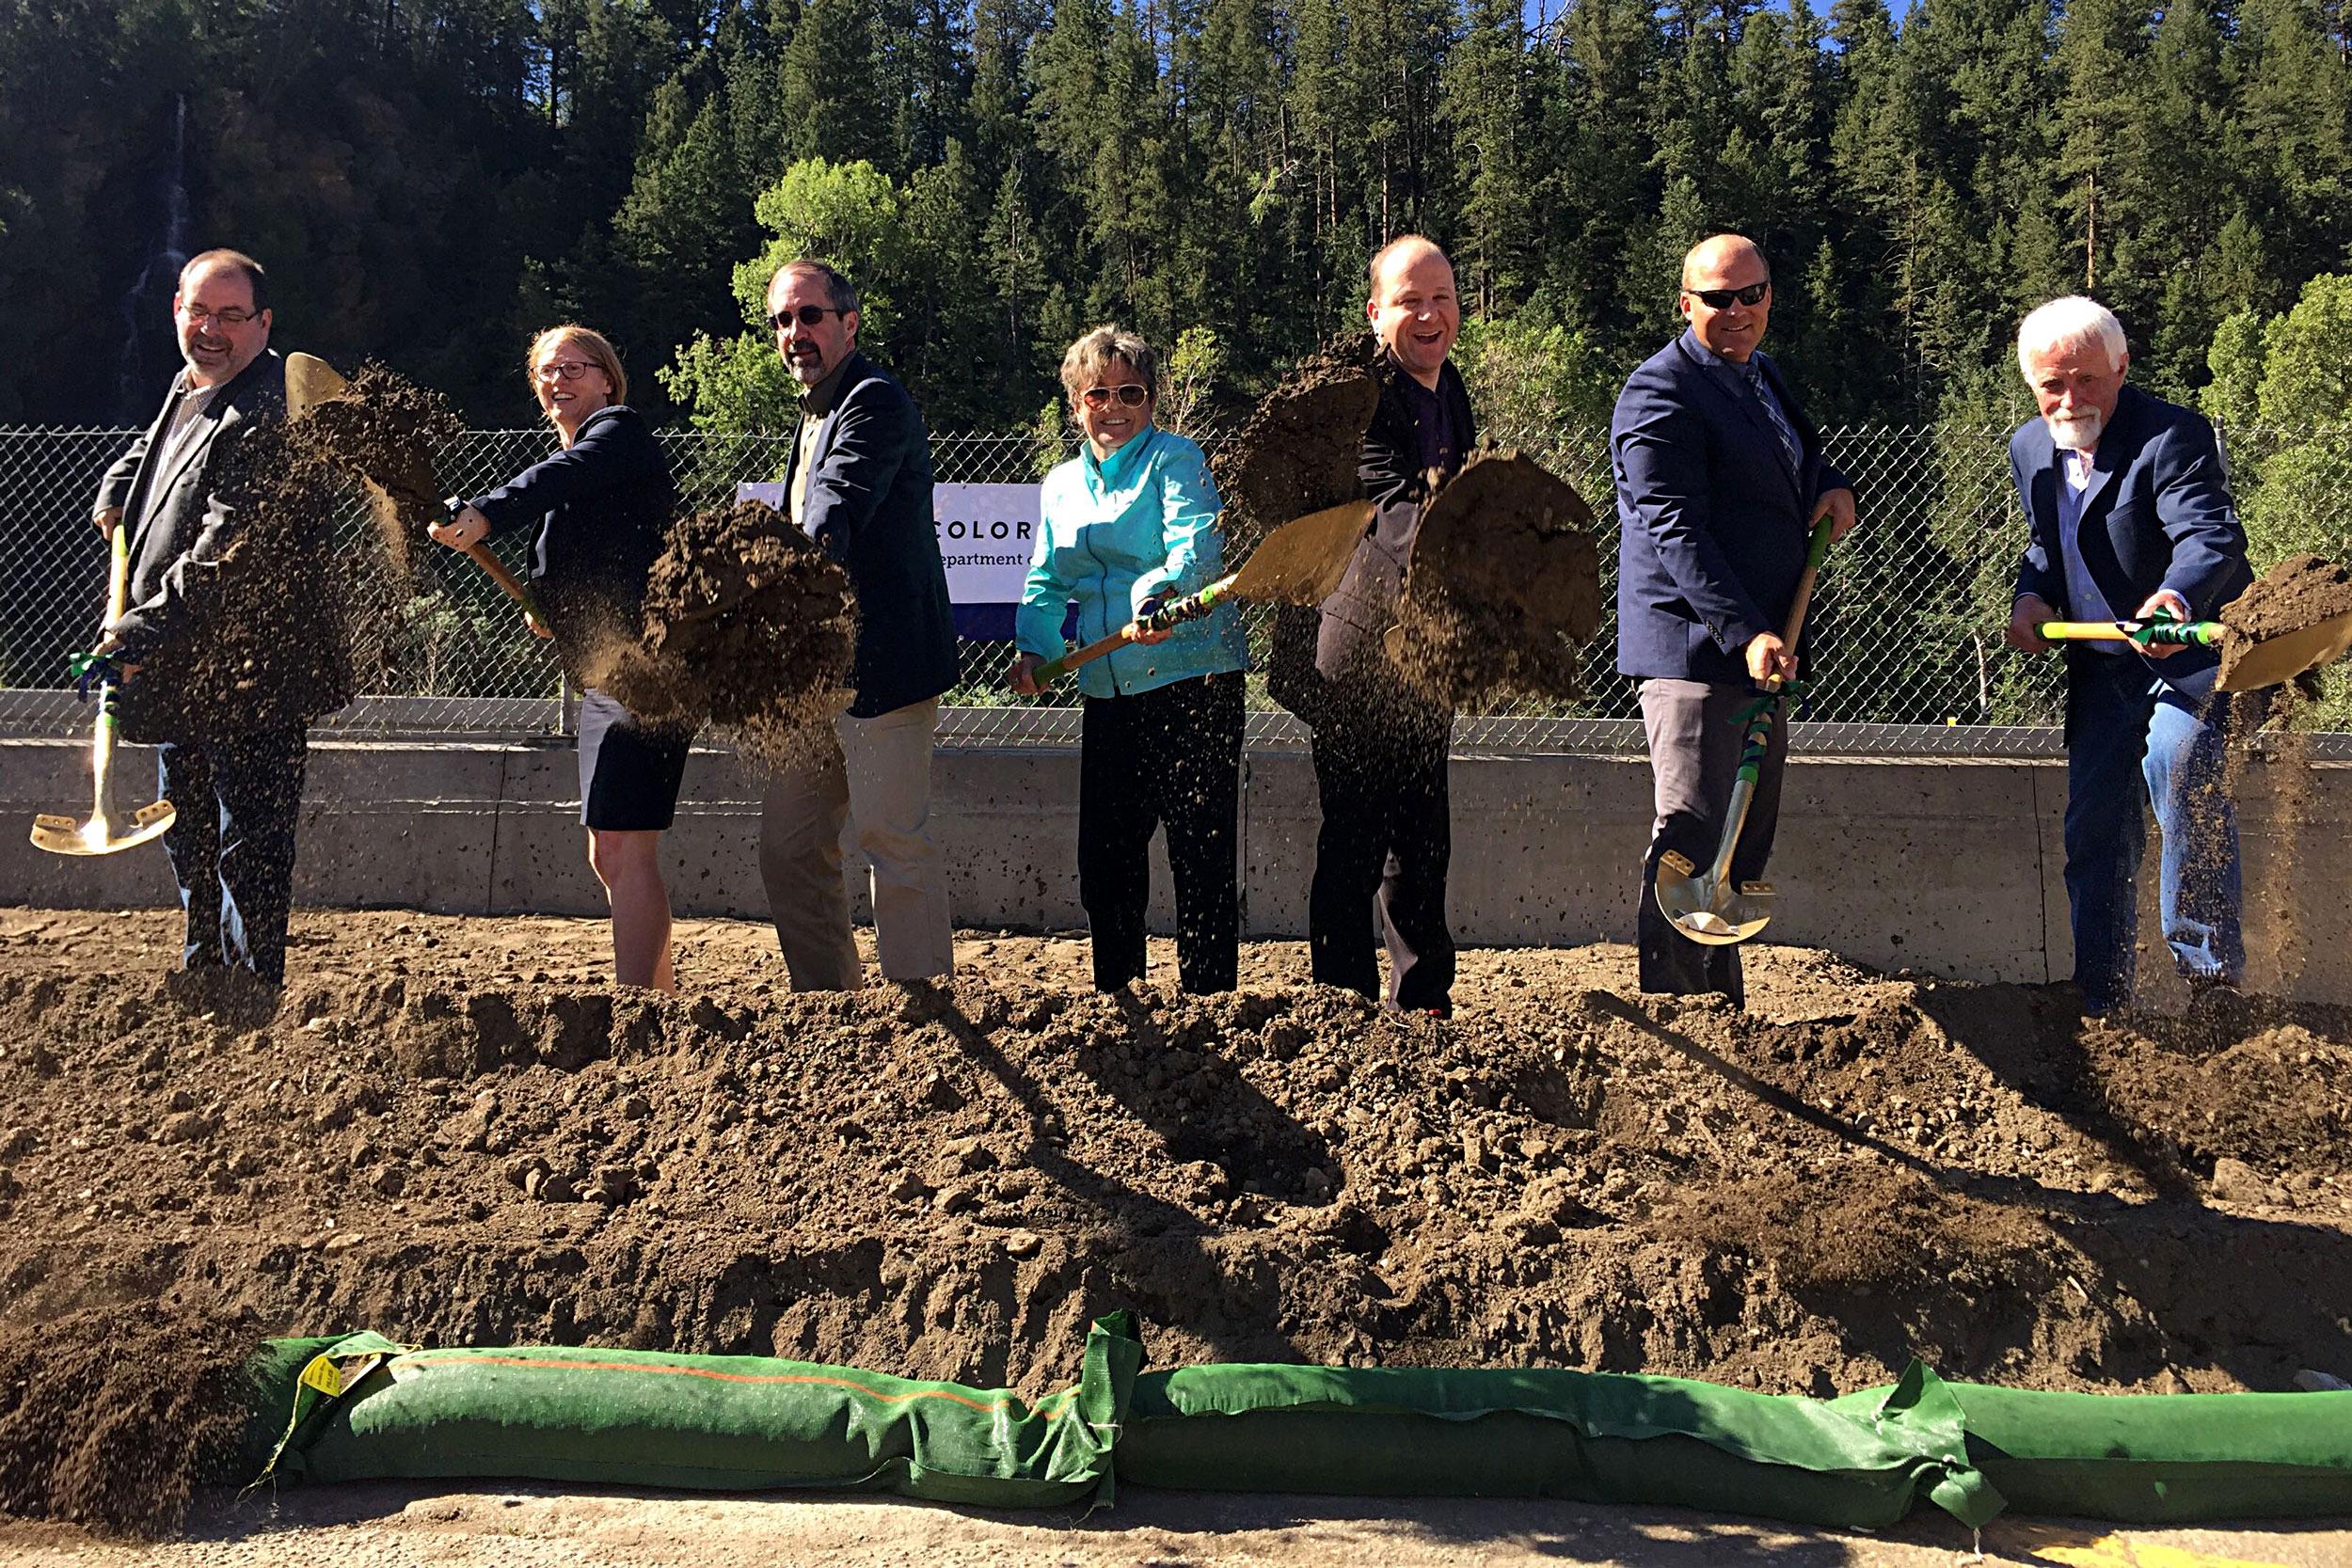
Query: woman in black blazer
[{"x": 601, "y": 505}]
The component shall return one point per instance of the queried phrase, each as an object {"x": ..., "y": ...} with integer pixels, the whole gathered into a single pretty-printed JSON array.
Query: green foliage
[
  {"x": 1189, "y": 375},
  {"x": 2306, "y": 375},
  {"x": 431, "y": 181},
  {"x": 1528, "y": 376}
]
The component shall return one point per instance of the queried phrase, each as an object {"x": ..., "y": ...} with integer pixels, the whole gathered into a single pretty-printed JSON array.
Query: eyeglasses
[
  {"x": 807, "y": 315},
  {"x": 1720, "y": 299},
  {"x": 199, "y": 316},
  {"x": 1130, "y": 396},
  {"x": 567, "y": 370}
]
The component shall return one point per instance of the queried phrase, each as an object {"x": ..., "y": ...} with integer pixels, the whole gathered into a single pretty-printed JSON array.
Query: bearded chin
[{"x": 2079, "y": 433}]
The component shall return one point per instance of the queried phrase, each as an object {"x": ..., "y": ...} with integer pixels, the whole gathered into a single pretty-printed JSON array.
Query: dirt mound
[
  {"x": 1298, "y": 450},
  {"x": 1504, "y": 588},
  {"x": 2277, "y": 629},
  {"x": 385, "y": 428},
  {"x": 112, "y": 1417},
  {"x": 2293, "y": 595},
  {"x": 950, "y": 1183},
  {"x": 748, "y": 622}
]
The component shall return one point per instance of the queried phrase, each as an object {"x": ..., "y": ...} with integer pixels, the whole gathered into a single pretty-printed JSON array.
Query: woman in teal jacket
[{"x": 1129, "y": 523}]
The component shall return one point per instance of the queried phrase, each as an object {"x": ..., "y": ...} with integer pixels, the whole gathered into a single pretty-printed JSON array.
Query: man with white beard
[{"x": 2129, "y": 507}]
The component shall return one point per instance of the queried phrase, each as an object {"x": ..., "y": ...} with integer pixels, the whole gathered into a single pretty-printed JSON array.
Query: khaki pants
[{"x": 875, "y": 789}]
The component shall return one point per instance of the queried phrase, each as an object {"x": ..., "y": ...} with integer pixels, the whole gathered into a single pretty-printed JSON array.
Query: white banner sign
[{"x": 986, "y": 532}]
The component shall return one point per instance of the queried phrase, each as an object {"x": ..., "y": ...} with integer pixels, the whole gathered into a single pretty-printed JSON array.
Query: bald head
[
  {"x": 1412, "y": 306},
  {"x": 1717, "y": 253},
  {"x": 1727, "y": 294}
]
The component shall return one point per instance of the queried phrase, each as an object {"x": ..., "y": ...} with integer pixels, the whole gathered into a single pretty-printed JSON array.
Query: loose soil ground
[
  {"x": 413, "y": 1523},
  {"x": 450, "y": 1131}
]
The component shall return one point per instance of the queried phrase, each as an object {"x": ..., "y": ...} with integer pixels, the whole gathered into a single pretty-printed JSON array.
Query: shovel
[
  {"x": 1712, "y": 909},
  {"x": 1299, "y": 563},
  {"x": 62, "y": 835},
  {"x": 2248, "y": 663},
  {"x": 311, "y": 381}
]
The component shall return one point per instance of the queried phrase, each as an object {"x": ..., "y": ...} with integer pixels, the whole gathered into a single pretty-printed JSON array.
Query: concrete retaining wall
[{"x": 1950, "y": 867}]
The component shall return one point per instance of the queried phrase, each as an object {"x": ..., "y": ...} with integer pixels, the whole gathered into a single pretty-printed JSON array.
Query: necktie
[{"x": 1790, "y": 449}]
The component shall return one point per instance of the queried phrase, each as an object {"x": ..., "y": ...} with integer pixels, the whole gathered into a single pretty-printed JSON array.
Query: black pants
[
  {"x": 1169, "y": 755},
  {"x": 232, "y": 845},
  {"x": 1696, "y": 738},
  {"x": 1382, "y": 858}
]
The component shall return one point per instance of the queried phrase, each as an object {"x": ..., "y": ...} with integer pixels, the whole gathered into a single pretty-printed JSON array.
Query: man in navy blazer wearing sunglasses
[{"x": 1718, "y": 479}]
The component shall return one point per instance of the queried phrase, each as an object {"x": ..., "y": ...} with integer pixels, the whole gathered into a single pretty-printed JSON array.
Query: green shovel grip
[
  {"x": 2138, "y": 633},
  {"x": 1166, "y": 618}
]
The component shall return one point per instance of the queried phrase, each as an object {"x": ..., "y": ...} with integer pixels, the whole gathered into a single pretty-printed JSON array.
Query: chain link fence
[{"x": 1907, "y": 658}]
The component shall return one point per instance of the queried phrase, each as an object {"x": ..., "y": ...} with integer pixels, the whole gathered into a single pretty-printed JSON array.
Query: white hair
[{"x": 2073, "y": 322}]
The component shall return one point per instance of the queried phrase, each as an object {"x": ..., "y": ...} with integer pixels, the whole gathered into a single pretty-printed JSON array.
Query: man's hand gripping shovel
[
  {"x": 63, "y": 835},
  {"x": 1711, "y": 908}
]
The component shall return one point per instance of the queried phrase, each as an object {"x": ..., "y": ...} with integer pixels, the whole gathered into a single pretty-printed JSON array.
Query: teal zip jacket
[{"x": 1114, "y": 536}]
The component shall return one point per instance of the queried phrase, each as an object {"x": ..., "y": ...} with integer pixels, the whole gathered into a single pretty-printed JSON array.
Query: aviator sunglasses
[
  {"x": 1130, "y": 396},
  {"x": 807, "y": 315},
  {"x": 1720, "y": 299}
]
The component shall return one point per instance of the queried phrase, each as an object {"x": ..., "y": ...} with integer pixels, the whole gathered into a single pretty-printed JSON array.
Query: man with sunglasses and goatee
[
  {"x": 858, "y": 481},
  {"x": 1720, "y": 480}
]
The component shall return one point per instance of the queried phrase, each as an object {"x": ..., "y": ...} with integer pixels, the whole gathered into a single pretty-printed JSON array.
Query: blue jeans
[
  {"x": 2131, "y": 734},
  {"x": 232, "y": 845}
]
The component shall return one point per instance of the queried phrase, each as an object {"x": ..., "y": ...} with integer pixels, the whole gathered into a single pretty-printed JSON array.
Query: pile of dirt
[
  {"x": 2298, "y": 591},
  {"x": 2294, "y": 622},
  {"x": 1297, "y": 451},
  {"x": 385, "y": 428},
  {"x": 748, "y": 622},
  {"x": 951, "y": 1181},
  {"x": 113, "y": 1417},
  {"x": 1504, "y": 589}
]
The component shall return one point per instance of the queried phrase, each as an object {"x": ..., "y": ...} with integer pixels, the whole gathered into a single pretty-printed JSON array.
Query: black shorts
[{"x": 628, "y": 776}]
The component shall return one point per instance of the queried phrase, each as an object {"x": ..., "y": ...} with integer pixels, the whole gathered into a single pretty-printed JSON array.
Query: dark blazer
[
  {"x": 602, "y": 506},
  {"x": 869, "y": 505},
  {"x": 2156, "y": 515},
  {"x": 1713, "y": 520},
  {"x": 230, "y": 617},
  {"x": 1327, "y": 663}
]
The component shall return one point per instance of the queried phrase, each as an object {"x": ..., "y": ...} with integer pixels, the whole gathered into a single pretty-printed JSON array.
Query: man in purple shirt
[{"x": 1380, "y": 747}]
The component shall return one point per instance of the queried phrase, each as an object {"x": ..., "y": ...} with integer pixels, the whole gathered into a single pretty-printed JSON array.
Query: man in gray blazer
[
  {"x": 230, "y": 727},
  {"x": 859, "y": 483}
]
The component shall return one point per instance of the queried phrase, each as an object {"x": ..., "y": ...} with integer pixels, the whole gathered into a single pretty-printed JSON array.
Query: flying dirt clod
[
  {"x": 749, "y": 623},
  {"x": 1504, "y": 587}
]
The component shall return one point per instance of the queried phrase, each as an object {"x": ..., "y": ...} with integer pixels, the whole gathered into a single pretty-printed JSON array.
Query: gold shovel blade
[
  {"x": 2275, "y": 661},
  {"x": 1715, "y": 916},
  {"x": 1302, "y": 562},
  {"x": 311, "y": 381},
  {"x": 63, "y": 835}
]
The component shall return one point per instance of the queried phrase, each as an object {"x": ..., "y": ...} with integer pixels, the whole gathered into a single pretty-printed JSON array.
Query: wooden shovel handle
[
  {"x": 500, "y": 574},
  {"x": 1816, "y": 549},
  {"x": 1190, "y": 608}
]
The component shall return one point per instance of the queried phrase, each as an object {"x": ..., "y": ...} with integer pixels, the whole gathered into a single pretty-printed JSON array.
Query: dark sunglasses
[
  {"x": 1131, "y": 395},
  {"x": 807, "y": 315},
  {"x": 1720, "y": 299}
]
